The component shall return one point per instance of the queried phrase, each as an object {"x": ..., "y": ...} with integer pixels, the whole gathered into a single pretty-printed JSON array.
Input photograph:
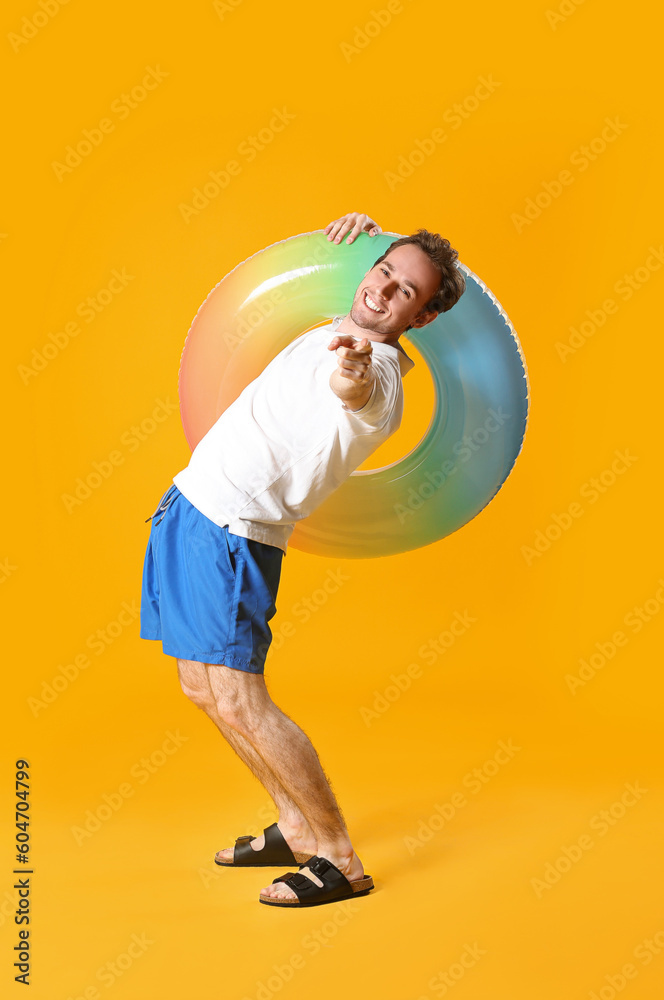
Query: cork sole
[
  {"x": 361, "y": 887},
  {"x": 300, "y": 859}
]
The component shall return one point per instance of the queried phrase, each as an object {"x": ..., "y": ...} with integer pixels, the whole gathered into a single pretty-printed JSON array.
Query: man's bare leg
[
  {"x": 291, "y": 822},
  {"x": 243, "y": 703}
]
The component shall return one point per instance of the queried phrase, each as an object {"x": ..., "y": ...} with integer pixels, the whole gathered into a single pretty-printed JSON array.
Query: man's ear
[{"x": 423, "y": 318}]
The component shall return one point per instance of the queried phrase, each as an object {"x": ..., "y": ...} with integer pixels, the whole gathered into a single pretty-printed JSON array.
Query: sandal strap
[
  {"x": 275, "y": 841},
  {"x": 243, "y": 851},
  {"x": 275, "y": 851},
  {"x": 335, "y": 883},
  {"x": 284, "y": 878}
]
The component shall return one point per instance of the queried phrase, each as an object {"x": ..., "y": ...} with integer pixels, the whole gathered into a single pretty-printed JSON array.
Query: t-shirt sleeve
[{"x": 378, "y": 408}]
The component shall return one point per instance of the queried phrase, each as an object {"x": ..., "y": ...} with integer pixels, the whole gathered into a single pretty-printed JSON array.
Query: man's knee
[
  {"x": 240, "y": 698},
  {"x": 195, "y": 684}
]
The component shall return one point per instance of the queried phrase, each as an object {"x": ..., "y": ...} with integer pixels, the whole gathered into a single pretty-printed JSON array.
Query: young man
[{"x": 220, "y": 533}]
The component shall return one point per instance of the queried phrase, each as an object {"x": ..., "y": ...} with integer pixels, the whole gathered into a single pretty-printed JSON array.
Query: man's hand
[
  {"x": 353, "y": 379},
  {"x": 354, "y": 221}
]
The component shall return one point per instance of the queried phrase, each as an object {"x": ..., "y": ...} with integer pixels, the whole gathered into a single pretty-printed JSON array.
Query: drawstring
[{"x": 164, "y": 503}]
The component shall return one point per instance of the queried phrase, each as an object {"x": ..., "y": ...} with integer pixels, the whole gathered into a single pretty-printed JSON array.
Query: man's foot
[
  {"x": 301, "y": 843},
  {"x": 350, "y": 866}
]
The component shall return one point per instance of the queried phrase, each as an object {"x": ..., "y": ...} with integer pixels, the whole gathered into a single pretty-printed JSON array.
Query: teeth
[{"x": 370, "y": 302}]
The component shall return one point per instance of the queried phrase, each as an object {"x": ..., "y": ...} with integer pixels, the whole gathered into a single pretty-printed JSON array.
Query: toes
[{"x": 278, "y": 890}]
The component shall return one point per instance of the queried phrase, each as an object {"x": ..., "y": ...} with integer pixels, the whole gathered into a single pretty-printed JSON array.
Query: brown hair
[{"x": 444, "y": 257}]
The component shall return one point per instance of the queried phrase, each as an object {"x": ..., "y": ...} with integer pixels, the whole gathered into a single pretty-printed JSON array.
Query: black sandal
[
  {"x": 335, "y": 885},
  {"x": 275, "y": 852}
]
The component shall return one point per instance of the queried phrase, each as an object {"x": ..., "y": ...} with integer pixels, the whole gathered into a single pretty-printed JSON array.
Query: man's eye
[{"x": 406, "y": 293}]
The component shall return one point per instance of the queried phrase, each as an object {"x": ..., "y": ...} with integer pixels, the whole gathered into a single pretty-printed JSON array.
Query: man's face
[{"x": 392, "y": 294}]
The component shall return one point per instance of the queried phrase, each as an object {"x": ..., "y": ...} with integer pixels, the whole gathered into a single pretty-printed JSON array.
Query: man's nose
[{"x": 386, "y": 287}]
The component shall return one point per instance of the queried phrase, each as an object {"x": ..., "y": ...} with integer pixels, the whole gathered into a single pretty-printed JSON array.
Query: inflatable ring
[{"x": 473, "y": 354}]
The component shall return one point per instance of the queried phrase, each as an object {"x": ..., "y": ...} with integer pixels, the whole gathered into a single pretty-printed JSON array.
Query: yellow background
[{"x": 148, "y": 871}]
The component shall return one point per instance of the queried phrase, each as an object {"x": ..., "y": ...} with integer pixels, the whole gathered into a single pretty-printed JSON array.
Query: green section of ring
[{"x": 481, "y": 391}]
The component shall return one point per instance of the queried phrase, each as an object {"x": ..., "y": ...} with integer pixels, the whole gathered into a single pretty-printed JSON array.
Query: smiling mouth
[{"x": 370, "y": 304}]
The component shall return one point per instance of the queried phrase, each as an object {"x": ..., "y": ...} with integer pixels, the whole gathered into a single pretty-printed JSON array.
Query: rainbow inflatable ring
[{"x": 475, "y": 359}]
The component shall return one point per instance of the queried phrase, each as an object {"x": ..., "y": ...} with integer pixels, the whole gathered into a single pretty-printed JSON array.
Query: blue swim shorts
[{"x": 207, "y": 594}]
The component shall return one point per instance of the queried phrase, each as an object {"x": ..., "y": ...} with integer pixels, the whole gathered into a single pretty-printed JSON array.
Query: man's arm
[{"x": 353, "y": 379}]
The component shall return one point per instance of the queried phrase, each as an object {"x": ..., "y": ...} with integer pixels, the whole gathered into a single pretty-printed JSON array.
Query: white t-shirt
[{"x": 288, "y": 441}]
